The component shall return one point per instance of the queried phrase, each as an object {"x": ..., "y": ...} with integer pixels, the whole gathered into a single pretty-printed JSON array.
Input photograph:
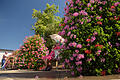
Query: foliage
[
  {"x": 46, "y": 23},
  {"x": 92, "y": 32},
  {"x": 31, "y": 54}
]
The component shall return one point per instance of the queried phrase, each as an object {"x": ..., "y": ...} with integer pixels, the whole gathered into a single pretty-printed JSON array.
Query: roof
[{"x": 6, "y": 50}]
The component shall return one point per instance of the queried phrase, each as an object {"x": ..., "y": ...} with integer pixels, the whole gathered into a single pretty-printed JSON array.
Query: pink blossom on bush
[
  {"x": 70, "y": 44},
  {"x": 71, "y": 58},
  {"x": 80, "y": 56},
  {"x": 66, "y": 60},
  {"x": 71, "y": 36},
  {"x": 88, "y": 5},
  {"x": 102, "y": 59},
  {"x": 74, "y": 36},
  {"x": 88, "y": 44},
  {"x": 79, "y": 69},
  {"x": 93, "y": 38},
  {"x": 74, "y": 55},
  {"x": 92, "y": 8},
  {"x": 89, "y": 59},
  {"x": 104, "y": 2},
  {"x": 98, "y": 17},
  {"x": 95, "y": 33},
  {"x": 83, "y": 12},
  {"x": 78, "y": 63},
  {"x": 74, "y": 44},
  {"x": 82, "y": 22},
  {"x": 72, "y": 73},
  {"x": 79, "y": 46},
  {"x": 117, "y": 44},
  {"x": 36, "y": 41},
  {"x": 92, "y": 1},
  {"x": 75, "y": 14},
  {"x": 68, "y": 34},
  {"x": 116, "y": 4},
  {"x": 77, "y": 51},
  {"x": 99, "y": 51}
]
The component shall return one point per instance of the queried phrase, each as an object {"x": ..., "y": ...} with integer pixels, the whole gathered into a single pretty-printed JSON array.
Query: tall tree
[{"x": 46, "y": 23}]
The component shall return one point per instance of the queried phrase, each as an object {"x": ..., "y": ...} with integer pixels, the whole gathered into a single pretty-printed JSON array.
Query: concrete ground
[{"x": 49, "y": 75}]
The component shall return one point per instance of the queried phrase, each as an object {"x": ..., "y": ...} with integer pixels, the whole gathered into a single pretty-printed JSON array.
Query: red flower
[
  {"x": 97, "y": 45},
  {"x": 88, "y": 36},
  {"x": 101, "y": 46},
  {"x": 88, "y": 40},
  {"x": 99, "y": 22},
  {"x": 112, "y": 7},
  {"x": 103, "y": 73},
  {"x": 63, "y": 24},
  {"x": 118, "y": 18},
  {"x": 88, "y": 51},
  {"x": 118, "y": 33}
]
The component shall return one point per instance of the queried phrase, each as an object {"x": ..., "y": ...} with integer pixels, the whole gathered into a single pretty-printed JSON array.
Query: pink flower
[
  {"x": 88, "y": 44},
  {"x": 117, "y": 44},
  {"x": 63, "y": 32},
  {"x": 104, "y": 2},
  {"x": 98, "y": 17},
  {"x": 66, "y": 60},
  {"x": 68, "y": 34},
  {"x": 80, "y": 56},
  {"x": 100, "y": 8},
  {"x": 89, "y": 59},
  {"x": 83, "y": 12},
  {"x": 74, "y": 55},
  {"x": 82, "y": 22},
  {"x": 77, "y": 59},
  {"x": 102, "y": 59},
  {"x": 92, "y": 8},
  {"x": 74, "y": 44},
  {"x": 75, "y": 14},
  {"x": 65, "y": 40},
  {"x": 74, "y": 36},
  {"x": 26, "y": 45},
  {"x": 78, "y": 63},
  {"x": 79, "y": 69},
  {"x": 72, "y": 73},
  {"x": 77, "y": 51},
  {"x": 93, "y": 38},
  {"x": 71, "y": 36},
  {"x": 66, "y": 19},
  {"x": 72, "y": 67},
  {"x": 36, "y": 41},
  {"x": 117, "y": 3},
  {"x": 99, "y": 51},
  {"x": 71, "y": 58},
  {"x": 88, "y": 5},
  {"x": 79, "y": 46},
  {"x": 92, "y": 1},
  {"x": 95, "y": 33}
]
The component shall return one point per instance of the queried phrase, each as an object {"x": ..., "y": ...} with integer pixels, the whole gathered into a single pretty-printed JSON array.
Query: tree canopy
[{"x": 46, "y": 22}]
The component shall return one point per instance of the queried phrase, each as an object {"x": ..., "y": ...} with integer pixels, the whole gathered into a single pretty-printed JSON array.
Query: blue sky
[{"x": 16, "y": 20}]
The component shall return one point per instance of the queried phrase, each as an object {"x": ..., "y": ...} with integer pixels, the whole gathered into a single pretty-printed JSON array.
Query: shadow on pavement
[{"x": 41, "y": 74}]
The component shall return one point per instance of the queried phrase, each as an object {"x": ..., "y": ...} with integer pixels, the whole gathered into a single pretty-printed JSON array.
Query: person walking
[{"x": 4, "y": 61}]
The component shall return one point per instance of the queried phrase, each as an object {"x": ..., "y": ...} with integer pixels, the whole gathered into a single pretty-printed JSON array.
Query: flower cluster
[
  {"x": 31, "y": 53},
  {"x": 91, "y": 32}
]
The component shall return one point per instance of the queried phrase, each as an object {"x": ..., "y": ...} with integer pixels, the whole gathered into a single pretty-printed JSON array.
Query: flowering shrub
[
  {"x": 91, "y": 29},
  {"x": 31, "y": 54}
]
